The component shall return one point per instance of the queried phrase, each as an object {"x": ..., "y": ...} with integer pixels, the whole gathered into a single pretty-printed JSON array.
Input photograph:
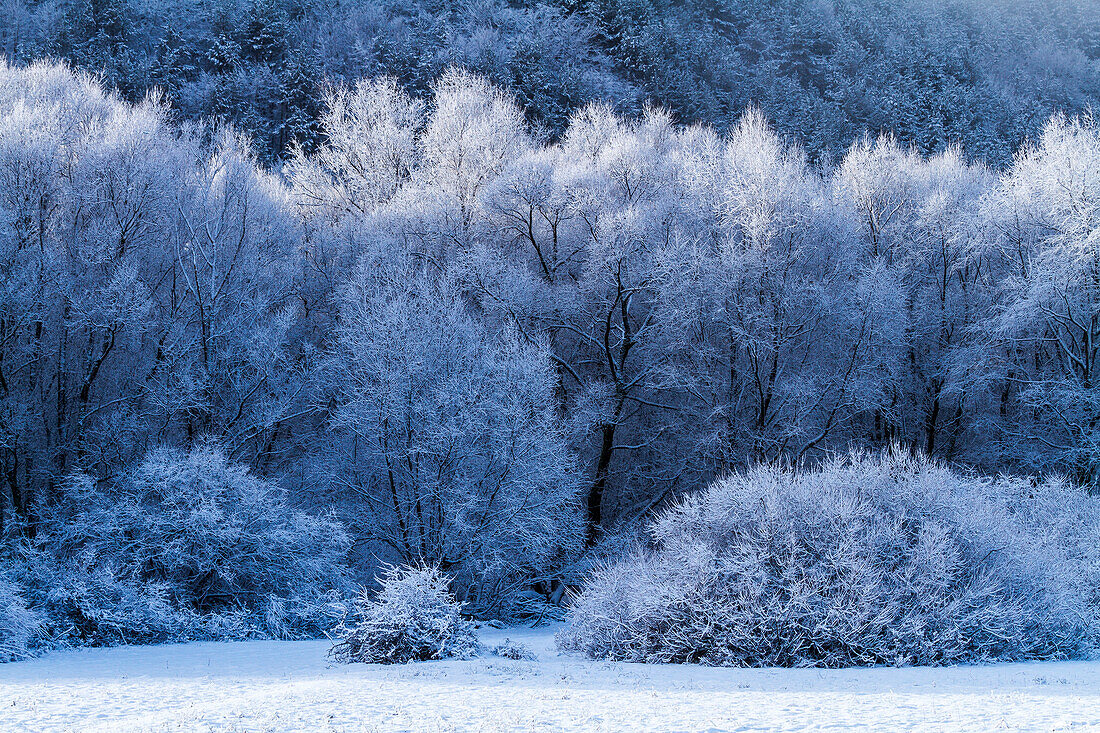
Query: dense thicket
[
  {"x": 209, "y": 534},
  {"x": 867, "y": 561},
  {"x": 182, "y": 546},
  {"x": 982, "y": 73},
  {"x": 481, "y": 348}
]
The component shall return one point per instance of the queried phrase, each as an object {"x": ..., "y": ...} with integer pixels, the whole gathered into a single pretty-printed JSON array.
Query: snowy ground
[{"x": 289, "y": 686}]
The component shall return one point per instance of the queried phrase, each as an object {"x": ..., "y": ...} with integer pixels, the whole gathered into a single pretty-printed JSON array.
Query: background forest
[
  {"x": 483, "y": 287},
  {"x": 982, "y": 73}
]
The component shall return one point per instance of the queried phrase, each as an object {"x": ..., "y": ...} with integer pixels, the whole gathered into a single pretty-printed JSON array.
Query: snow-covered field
[{"x": 289, "y": 686}]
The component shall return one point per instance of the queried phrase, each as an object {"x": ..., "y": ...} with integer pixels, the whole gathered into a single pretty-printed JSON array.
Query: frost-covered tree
[
  {"x": 918, "y": 226},
  {"x": 238, "y": 370},
  {"x": 369, "y": 152},
  {"x": 473, "y": 131},
  {"x": 1047, "y": 219},
  {"x": 586, "y": 237},
  {"x": 445, "y": 434},
  {"x": 756, "y": 323},
  {"x": 152, "y": 277}
]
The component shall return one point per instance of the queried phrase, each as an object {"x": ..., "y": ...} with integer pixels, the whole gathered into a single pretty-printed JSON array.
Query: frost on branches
[
  {"x": 866, "y": 561},
  {"x": 21, "y": 629},
  {"x": 447, "y": 431},
  {"x": 438, "y": 336},
  {"x": 182, "y": 546},
  {"x": 413, "y": 618}
]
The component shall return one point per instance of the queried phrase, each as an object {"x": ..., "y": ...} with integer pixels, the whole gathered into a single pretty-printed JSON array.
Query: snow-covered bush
[
  {"x": 184, "y": 546},
  {"x": 515, "y": 650},
  {"x": 20, "y": 627},
  {"x": 869, "y": 560},
  {"x": 413, "y": 617},
  {"x": 95, "y": 606}
]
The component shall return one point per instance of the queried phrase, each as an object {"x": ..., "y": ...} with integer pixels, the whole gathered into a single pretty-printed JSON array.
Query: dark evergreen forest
[{"x": 985, "y": 75}]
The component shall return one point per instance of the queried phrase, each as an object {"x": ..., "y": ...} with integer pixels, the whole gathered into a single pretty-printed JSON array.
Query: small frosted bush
[
  {"x": 413, "y": 617},
  {"x": 865, "y": 561},
  {"x": 515, "y": 650}
]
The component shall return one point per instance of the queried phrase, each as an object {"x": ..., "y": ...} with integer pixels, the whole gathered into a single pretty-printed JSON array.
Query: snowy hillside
[{"x": 289, "y": 686}]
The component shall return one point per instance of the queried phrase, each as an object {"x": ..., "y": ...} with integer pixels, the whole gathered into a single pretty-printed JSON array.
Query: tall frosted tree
[
  {"x": 1048, "y": 237},
  {"x": 445, "y": 434}
]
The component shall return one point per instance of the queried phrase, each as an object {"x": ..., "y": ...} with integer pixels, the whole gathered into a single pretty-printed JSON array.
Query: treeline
[
  {"x": 985, "y": 75},
  {"x": 483, "y": 350}
]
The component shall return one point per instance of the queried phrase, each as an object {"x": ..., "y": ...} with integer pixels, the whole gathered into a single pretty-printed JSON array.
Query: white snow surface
[{"x": 291, "y": 686}]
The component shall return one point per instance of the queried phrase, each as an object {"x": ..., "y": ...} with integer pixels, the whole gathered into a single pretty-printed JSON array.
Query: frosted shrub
[
  {"x": 865, "y": 561},
  {"x": 414, "y": 617},
  {"x": 95, "y": 606},
  {"x": 184, "y": 546},
  {"x": 515, "y": 650},
  {"x": 20, "y": 627}
]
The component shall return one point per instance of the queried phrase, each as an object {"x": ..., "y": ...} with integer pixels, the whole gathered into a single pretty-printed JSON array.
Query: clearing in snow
[{"x": 291, "y": 686}]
